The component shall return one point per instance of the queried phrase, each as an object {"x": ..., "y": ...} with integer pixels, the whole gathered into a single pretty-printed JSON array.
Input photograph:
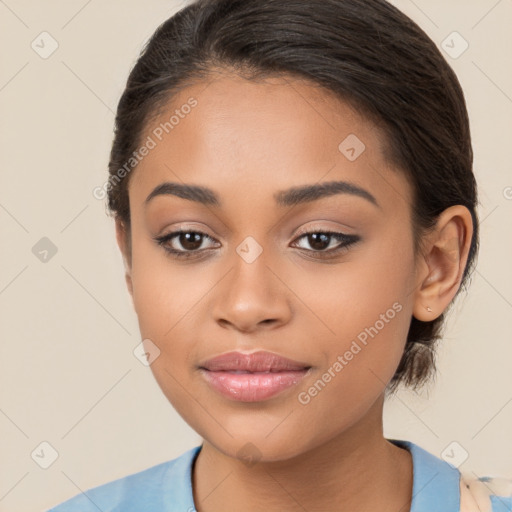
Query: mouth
[{"x": 252, "y": 377}]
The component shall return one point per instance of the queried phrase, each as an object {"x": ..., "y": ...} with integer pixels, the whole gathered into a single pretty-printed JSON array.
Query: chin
[{"x": 255, "y": 445}]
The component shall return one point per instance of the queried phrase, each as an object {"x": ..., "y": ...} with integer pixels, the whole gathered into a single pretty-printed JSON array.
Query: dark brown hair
[{"x": 370, "y": 55}]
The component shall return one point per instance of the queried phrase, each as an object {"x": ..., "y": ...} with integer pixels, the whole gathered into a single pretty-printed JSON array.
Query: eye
[
  {"x": 184, "y": 244},
  {"x": 326, "y": 242}
]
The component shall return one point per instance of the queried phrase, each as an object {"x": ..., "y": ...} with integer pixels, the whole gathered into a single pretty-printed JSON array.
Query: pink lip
[{"x": 252, "y": 377}]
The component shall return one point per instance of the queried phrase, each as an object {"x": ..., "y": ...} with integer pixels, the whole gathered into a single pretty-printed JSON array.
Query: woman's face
[{"x": 338, "y": 306}]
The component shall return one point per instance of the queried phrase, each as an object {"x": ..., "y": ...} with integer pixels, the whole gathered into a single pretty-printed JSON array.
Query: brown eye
[
  {"x": 184, "y": 243},
  {"x": 319, "y": 241},
  {"x": 325, "y": 242},
  {"x": 190, "y": 240}
]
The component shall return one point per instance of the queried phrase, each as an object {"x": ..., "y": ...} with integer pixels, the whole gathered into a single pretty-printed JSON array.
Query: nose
[{"x": 252, "y": 298}]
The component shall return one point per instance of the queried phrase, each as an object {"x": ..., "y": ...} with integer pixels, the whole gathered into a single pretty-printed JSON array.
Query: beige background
[{"x": 68, "y": 375}]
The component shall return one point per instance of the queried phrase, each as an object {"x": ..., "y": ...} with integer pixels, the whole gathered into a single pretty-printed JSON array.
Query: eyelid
[
  {"x": 185, "y": 227},
  {"x": 317, "y": 227}
]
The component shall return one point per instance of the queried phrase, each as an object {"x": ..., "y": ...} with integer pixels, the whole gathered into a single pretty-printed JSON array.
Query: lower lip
[{"x": 252, "y": 387}]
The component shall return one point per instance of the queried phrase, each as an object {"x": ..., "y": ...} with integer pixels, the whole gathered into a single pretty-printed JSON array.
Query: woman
[{"x": 294, "y": 199}]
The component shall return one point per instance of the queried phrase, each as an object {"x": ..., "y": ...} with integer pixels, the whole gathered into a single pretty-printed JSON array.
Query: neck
[{"x": 356, "y": 471}]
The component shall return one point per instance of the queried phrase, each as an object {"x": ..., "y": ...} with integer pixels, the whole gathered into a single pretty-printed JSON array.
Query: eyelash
[{"x": 342, "y": 237}]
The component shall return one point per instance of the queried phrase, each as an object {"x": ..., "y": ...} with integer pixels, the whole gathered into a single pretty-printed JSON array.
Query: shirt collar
[{"x": 435, "y": 482}]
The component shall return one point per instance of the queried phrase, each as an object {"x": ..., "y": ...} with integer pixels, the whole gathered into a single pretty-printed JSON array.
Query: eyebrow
[{"x": 290, "y": 197}]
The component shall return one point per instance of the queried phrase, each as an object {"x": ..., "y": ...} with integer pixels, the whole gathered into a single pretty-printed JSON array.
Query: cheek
[
  {"x": 167, "y": 300},
  {"x": 367, "y": 305},
  {"x": 163, "y": 292},
  {"x": 348, "y": 297},
  {"x": 360, "y": 363},
  {"x": 164, "y": 300}
]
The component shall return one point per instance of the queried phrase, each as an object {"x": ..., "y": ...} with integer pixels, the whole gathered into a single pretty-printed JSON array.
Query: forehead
[{"x": 269, "y": 134}]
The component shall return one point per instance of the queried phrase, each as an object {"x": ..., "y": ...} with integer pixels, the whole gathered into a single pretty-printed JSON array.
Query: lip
[{"x": 252, "y": 377}]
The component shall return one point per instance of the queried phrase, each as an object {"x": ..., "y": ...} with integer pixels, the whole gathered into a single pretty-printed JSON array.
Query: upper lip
[{"x": 260, "y": 361}]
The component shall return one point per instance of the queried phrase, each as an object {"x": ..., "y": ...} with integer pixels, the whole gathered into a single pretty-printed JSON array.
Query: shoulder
[
  {"x": 448, "y": 489},
  {"x": 485, "y": 494},
  {"x": 160, "y": 487}
]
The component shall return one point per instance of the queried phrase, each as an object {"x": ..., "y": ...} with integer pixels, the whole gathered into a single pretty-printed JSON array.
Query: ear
[
  {"x": 124, "y": 244},
  {"x": 442, "y": 264}
]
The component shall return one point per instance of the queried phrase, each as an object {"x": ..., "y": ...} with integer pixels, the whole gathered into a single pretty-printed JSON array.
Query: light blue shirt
[{"x": 167, "y": 487}]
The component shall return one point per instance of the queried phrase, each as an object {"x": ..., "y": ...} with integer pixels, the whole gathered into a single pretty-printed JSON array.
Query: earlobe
[{"x": 443, "y": 263}]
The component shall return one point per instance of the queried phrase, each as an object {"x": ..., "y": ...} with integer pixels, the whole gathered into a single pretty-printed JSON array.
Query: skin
[{"x": 247, "y": 141}]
